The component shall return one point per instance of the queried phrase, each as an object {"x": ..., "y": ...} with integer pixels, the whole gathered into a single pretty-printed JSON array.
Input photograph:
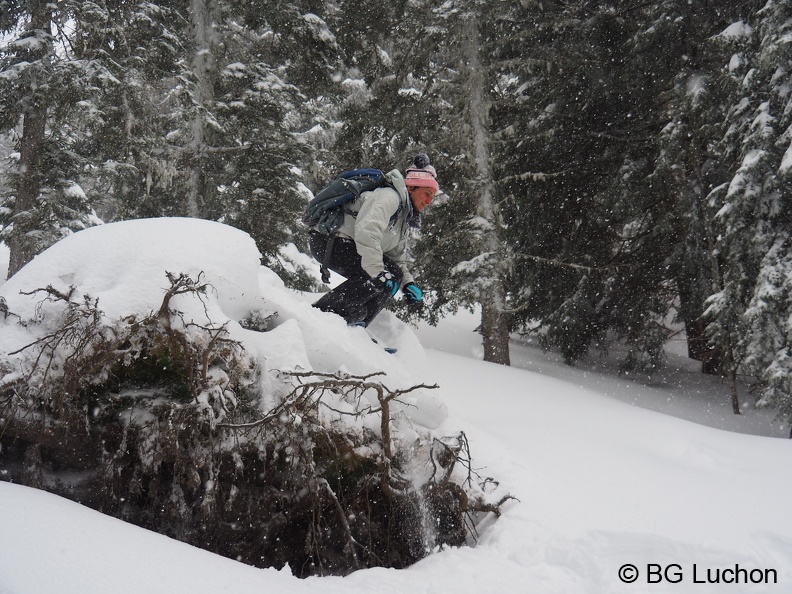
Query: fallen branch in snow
[
  {"x": 49, "y": 393},
  {"x": 140, "y": 407},
  {"x": 459, "y": 452},
  {"x": 308, "y": 395}
]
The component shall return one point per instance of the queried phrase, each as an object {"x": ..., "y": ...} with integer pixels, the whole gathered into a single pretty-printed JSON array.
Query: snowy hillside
[{"x": 602, "y": 481}]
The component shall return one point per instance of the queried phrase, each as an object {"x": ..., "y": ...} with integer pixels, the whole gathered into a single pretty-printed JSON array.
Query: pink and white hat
[{"x": 422, "y": 174}]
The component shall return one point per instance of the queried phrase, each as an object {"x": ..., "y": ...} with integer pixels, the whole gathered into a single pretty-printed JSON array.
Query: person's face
[{"x": 421, "y": 197}]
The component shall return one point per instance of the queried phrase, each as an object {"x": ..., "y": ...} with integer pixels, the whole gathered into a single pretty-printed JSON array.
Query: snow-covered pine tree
[
  {"x": 748, "y": 317},
  {"x": 666, "y": 187},
  {"x": 273, "y": 64},
  {"x": 390, "y": 109},
  {"x": 573, "y": 114},
  {"x": 42, "y": 85},
  {"x": 251, "y": 153},
  {"x": 602, "y": 179},
  {"x": 484, "y": 274},
  {"x": 220, "y": 143},
  {"x": 306, "y": 45},
  {"x": 139, "y": 46}
]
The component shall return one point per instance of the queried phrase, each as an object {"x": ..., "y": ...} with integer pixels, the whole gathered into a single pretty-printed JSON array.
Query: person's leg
[{"x": 357, "y": 299}]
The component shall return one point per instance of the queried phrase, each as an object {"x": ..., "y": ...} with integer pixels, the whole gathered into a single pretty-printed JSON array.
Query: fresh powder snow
[{"x": 617, "y": 478}]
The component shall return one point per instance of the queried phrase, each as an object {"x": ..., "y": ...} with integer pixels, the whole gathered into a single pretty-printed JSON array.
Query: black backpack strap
[{"x": 323, "y": 268}]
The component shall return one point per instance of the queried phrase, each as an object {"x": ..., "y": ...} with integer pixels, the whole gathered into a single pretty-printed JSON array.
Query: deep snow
[{"x": 608, "y": 470}]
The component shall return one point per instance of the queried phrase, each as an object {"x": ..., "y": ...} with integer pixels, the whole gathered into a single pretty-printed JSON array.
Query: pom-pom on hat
[{"x": 422, "y": 174}]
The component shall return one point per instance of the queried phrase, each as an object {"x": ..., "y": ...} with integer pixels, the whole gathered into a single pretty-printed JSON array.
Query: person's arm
[
  {"x": 401, "y": 257},
  {"x": 372, "y": 220}
]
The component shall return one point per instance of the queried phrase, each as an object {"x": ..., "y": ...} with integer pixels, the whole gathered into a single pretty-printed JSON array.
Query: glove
[
  {"x": 387, "y": 280},
  {"x": 412, "y": 294}
]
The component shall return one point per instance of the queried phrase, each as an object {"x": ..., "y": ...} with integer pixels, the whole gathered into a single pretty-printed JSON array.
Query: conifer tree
[
  {"x": 604, "y": 167},
  {"x": 140, "y": 47},
  {"x": 488, "y": 268},
  {"x": 169, "y": 108},
  {"x": 681, "y": 167},
  {"x": 748, "y": 317},
  {"x": 240, "y": 140},
  {"x": 42, "y": 85},
  {"x": 574, "y": 113},
  {"x": 391, "y": 53}
]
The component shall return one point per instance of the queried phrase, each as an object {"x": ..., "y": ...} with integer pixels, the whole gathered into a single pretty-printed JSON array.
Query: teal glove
[{"x": 412, "y": 294}]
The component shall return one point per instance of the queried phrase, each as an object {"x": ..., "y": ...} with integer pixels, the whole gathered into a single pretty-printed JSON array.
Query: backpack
[{"x": 325, "y": 212}]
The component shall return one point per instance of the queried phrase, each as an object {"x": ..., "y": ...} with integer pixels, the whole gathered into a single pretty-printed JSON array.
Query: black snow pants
[{"x": 358, "y": 299}]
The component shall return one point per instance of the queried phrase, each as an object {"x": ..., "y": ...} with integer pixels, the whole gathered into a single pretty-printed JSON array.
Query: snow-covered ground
[{"x": 609, "y": 471}]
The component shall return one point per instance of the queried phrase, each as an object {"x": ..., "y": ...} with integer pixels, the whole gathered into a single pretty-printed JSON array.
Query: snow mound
[{"x": 124, "y": 267}]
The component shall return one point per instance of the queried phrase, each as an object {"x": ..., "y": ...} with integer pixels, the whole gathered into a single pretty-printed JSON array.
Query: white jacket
[{"x": 377, "y": 221}]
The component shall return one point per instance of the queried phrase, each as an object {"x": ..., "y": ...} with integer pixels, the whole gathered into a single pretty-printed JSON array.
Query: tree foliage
[
  {"x": 748, "y": 314},
  {"x": 41, "y": 89},
  {"x": 611, "y": 171}
]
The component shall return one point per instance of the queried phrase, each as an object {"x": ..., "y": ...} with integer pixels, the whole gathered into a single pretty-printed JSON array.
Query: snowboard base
[{"x": 389, "y": 350}]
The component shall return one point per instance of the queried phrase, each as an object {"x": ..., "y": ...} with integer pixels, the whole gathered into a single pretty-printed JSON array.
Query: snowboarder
[{"x": 370, "y": 247}]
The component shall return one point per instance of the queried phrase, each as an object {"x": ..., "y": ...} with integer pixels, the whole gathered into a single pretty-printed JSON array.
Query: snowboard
[{"x": 387, "y": 349}]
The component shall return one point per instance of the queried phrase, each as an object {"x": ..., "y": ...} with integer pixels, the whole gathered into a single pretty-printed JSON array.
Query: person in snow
[{"x": 370, "y": 247}]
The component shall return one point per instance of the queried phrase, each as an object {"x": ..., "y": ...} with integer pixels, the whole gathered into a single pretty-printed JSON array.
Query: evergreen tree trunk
[
  {"x": 495, "y": 334},
  {"x": 22, "y": 244},
  {"x": 494, "y": 324},
  {"x": 205, "y": 19},
  {"x": 735, "y": 399}
]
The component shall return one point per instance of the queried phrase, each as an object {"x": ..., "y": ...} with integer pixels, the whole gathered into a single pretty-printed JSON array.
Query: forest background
[{"x": 611, "y": 171}]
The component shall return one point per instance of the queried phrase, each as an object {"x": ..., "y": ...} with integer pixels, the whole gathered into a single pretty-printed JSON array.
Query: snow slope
[{"x": 602, "y": 481}]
